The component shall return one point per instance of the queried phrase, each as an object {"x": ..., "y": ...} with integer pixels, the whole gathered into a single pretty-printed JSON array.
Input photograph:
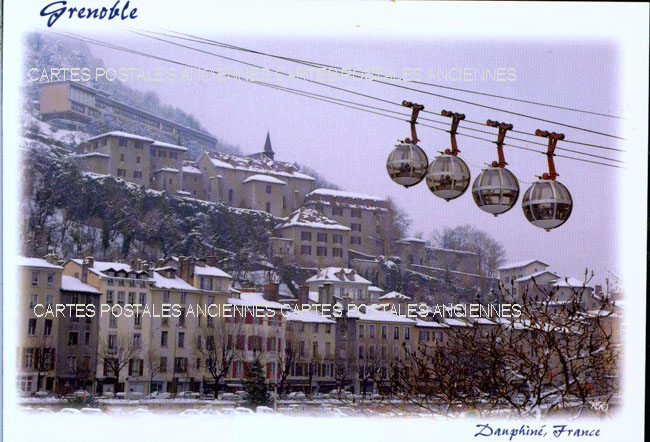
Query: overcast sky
[{"x": 349, "y": 147}]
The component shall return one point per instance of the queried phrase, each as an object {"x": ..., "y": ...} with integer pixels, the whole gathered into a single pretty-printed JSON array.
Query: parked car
[
  {"x": 212, "y": 412},
  {"x": 43, "y": 393},
  {"x": 229, "y": 397},
  {"x": 81, "y": 394},
  {"x": 89, "y": 410},
  {"x": 191, "y": 412},
  {"x": 160, "y": 395},
  {"x": 228, "y": 412},
  {"x": 69, "y": 411},
  {"x": 297, "y": 395},
  {"x": 265, "y": 410},
  {"x": 244, "y": 411}
]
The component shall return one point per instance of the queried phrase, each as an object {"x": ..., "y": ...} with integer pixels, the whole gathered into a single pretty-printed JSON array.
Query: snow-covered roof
[
  {"x": 570, "y": 282},
  {"x": 519, "y": 264},
  {"x": 174, "y": 283},
  {"x": 210, "y": 271},
  {"x": 311, "y": 316},
  {"x": 117, "y": 133},
  {"x": 264, "y": 179},
  {"x": 166, "y": 169},
  {"x": 431, "y": 324},
  {"x": 313, "y": 296},
  {"x": 535, "y": 275},
  {"x": 456, "y": 251},
  {"x": 72, "y": 284},
  {"x": 454, "y": 322},
  {"x": 379, "y": 313},
  {"x": 258, "y": 164},
  {"x": 374, "y": 288},
  {"x": 338, "y": 274},
  {"x": 252, "y": 299},
  {"x": 92, "y": 154},
  {"x": 394, "y": 295},
  {"x": 304, "y": 217},
  {"x": 190, "y": 168},
  {"x": 24, "y": 261},
  {"x": 183, "y": 192},
  {"x": 168, "y": 145},
  {"x": 411, "y": 239},
  {"x": 344, "y": 194},
  {"x": 101, "y": 267}
]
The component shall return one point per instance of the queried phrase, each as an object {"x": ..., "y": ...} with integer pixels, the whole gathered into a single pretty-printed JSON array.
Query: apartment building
[
  {"x": 39, "y": 286},
  {"x": 73, "y": 105},
  {"x": 192, "y": 182},
  {"x": 255, "y": 182},
  {"x": 133, "y": 158},
  {"x": 365, "y": 215},
  {"x": 339, "y": 284},
  {"x": 78, "y": 338},
  {"x": 311, "y": 239},
  {"x": 123, "y": 339},
  {"x": 312, "y": 346}
]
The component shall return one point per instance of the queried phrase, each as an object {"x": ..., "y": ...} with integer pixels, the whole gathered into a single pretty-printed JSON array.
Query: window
[
  {"x": 143, "y": 298},
  {"x": 49, "y": 300},
  {"x": 269, "y": 189},
  {"x": 137, "y": 341},
  {"x": 180, "y": 365},
  {"x": 181, "y": 339},
  {"x": 72, "y": 362},
  {"x": 301, "y": 348},
  {"x": 112, "y": 342},
  {"x": 28, "y": 358},
  {"x": 407, "y": 333},
  {"x": 337, "y": 238},
  {"x": 337, "y": 252},
  {"x": 305, "y": 250},
  {"x": 355, "y": 227},
  {"x": 137, "y": 320},
  {"x": 137, "y": 175},
  {"x": 136, "y": 367},
  {"x": 122, "y": 157},
  {"x": 356, "y": 240},
  {"x": 321, "y": 251},
  {"x": 337, "y": 211},
  {"x": 321, "y": 237},
  {"x": 50, "y": 280},
  {"x": 138, "y": 145},
  {"x": 371, "y": 331},
  {"x": 109, "y": 297},
  {"x": 173, "y": 155},
  {"x": 328, "y": 350},
  {"x": 48, "y": 327},
  {"x": 199, "y": 343},
  {"x": 230, "y": 195},
  {"x": 355, "y": 213},
  {"x": 268, "y": 207},
  {"x": 314, "y": 349},
  {"x": 184, "y": 295},
  {"x": 361, "y": 352},
  {"x": 87, "y": 338},
  {"x": 31, "y": 327},
  {"x": 121, "y": 296},
  {"x": 384, "y": 331},
  {"x": 34, "y": 278},
  {"x": 131, "y": 298},
  {"x": 316, "y": 327},
  {"x": 371, "y": 352},
  {"x": 328, "y": 328},
  {"x": 33, "y": 300},
  {"x": 112, "y": 321},
  {"x": 305, "y": 236},
  {"x": 396, "y": 332},
  {"x": 122, "y": 142},
  {"x": 162, "y": 154},
  {"x": 163, "y": 364},
  {"x": 73, "y": 338},
  {"x": 166, "y": 297},
  {"x": 361, "y": 330}
]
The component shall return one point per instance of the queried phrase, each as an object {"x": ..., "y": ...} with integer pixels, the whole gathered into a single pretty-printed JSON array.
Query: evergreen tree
[{"x": 255, "y": 385}]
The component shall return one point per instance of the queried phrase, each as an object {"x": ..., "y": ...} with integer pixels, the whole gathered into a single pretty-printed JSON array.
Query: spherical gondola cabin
[
  {"x": 495, "y": 190},
  {"x": 448, "y": 177},
  {"x": 407, "y": 164},
  {"x": 547, "y": 204}
]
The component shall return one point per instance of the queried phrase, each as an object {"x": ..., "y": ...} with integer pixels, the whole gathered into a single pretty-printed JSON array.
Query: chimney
[
  {"x": 145, "y": 266},
  {"x": 186, "y": 268},
  {"x": 132, "y": 264},
  {"x": 91, "y": 261},
  {"x": 160, "y": 263},
  {"x": 272, "y": 292},
  {"x": 211, "y": 260},
  {"x": 328, "y": 294},
  {"x": 84, "y": 270},
  {"x": 52, "y": 258},
  {"x": 303, "y": 294}
]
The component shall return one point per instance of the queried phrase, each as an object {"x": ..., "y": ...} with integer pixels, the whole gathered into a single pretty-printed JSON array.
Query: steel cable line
[
  {"x": 340, "y": 71},
  {"x": 198, "y": 39},
  {"x": 332, "y": 100}
]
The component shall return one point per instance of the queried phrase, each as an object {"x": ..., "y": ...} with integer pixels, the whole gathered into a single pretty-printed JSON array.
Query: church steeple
[{"x": 268, "y": 150}]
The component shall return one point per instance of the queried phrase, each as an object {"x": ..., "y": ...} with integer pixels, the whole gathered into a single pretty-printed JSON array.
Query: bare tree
[
  {"x": 115, "y": 354},
  {"x": 285, "y": 364},
  {"x": 219, "y": 350}
]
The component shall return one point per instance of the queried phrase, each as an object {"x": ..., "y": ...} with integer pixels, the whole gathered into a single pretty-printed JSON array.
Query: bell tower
[{"x": 268, "y": 149}]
